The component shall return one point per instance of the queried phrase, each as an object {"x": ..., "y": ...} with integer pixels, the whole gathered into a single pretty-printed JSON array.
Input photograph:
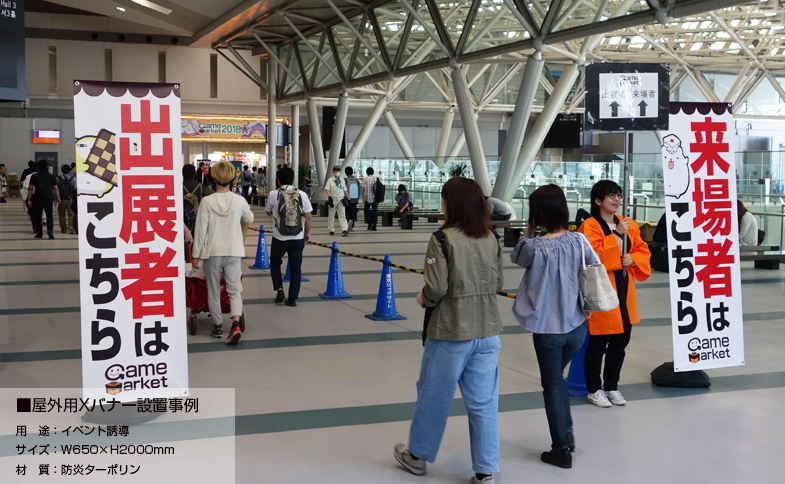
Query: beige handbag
[{"x": 598, "y": 292}]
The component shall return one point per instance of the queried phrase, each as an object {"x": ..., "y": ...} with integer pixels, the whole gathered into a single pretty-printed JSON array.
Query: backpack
[
  {"x": 290, "y": 212},
  {"x": 190, "y": 199},
  {"x": 197, "y": 193},
  {"x": 64, "y": 186},
  {"x": 354, "y": 188},
  {"x": 378, "y": 191}
]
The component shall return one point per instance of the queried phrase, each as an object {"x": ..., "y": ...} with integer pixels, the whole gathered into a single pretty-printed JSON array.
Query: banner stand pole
[{"x": 626, "y": 188}]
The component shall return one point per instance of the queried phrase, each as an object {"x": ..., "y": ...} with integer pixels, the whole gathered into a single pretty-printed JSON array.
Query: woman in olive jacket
[{"x": 463, "y": 273}]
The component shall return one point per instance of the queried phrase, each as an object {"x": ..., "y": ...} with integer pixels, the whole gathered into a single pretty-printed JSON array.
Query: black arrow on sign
[
  {"x": 643, "y": 105},
  {"x": 614, "y": 109}
]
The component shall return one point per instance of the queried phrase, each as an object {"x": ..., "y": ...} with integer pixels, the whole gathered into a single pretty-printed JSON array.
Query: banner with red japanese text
[
  {"x": 131, "y": 252},
  {"x": 699, "y": 178}
]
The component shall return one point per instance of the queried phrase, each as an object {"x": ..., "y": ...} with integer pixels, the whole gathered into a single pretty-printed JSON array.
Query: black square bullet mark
[{"x": 24, "y": 405}]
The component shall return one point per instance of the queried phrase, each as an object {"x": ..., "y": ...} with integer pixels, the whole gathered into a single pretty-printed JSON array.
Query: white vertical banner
[
  {"x": 699, "y": 176},
  {"x": 131, "y": 252}
]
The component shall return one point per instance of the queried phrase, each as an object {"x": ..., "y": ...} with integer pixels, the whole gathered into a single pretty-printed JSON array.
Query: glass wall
[{"x": 760, "y": 182}]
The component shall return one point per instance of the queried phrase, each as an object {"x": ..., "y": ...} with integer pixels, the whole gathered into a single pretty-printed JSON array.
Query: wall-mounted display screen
[{"x": 46, "y": 137}]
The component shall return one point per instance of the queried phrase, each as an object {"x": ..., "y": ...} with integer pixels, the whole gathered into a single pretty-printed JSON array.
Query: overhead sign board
[
  {"x": 223, "y": 129},
  {"x": 630, "y": 97},
  {"x": 12, "y": 50}
]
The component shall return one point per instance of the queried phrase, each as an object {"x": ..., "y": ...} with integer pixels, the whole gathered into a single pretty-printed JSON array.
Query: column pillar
[
  {"x": 272, "y": 76},
  {"x": 520, "y": 118},
  {"x": 471, "y": 130},
  {"x": 541, "y": 127},
  {"x": 296, "y": 144}
]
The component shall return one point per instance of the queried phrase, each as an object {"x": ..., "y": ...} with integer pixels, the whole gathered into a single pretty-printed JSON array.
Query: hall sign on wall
[
  {"x": 630, "y": 97},
  {"x": 223, "y": 129}
]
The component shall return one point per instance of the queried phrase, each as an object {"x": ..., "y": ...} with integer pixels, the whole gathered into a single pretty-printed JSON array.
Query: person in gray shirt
[{"x": 499, "y": 210}]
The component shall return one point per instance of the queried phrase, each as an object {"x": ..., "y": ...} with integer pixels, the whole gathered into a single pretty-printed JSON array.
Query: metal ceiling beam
[
  {"x": 438, "y": 23},
  {"x": 242, "y": 61},
  {"x": 467, "y": 26},
  {"x": 357, "y": 34},
  {"x": 272, "y": 54},
  {"x": 553, "y": 10},
  {"x": 524, "y": 16},
  {"x": 243, "y": 71},
  {"x": 428, "y": 30}
]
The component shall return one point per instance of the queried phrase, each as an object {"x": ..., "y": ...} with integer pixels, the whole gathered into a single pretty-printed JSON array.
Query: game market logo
[
  {"x": 708, "y": 349},
  {"x": 135, "y": 377}
]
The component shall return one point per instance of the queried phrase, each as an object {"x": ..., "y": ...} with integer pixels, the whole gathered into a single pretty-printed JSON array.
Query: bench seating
[{"x": 765, "y": 256}]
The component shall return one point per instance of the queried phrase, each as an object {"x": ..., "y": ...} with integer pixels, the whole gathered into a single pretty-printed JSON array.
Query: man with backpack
[
  {"x": 291, "y": 212},
  {"x": 373, "y": 194},
  {"x": 353, "y": 190},
  {"x": 64, "y": 210},
  {"x": 246, "y": 180}
]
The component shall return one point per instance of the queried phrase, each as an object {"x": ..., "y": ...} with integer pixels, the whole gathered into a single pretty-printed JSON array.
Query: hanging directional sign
[{"x": 632, "y": 97}]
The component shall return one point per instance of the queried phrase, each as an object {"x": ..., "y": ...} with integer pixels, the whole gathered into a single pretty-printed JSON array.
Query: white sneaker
[
  {"x": 486, "y": 480},
  {"x": 599, "y": 399},
  {"x": 615, "y": 398}
]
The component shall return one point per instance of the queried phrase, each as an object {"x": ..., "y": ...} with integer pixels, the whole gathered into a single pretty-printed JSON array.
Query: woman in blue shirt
[{"x": 549, "y": 303}]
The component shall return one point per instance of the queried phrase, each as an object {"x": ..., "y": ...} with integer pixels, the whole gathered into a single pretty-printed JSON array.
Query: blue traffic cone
[
  {"x": 335, "y": 279},
  {"x": 576, "y": 378},
  {"x": 288, "y": 276},
  {"x": 262, "y": 259},
  {"x": 385, "y": 301}
]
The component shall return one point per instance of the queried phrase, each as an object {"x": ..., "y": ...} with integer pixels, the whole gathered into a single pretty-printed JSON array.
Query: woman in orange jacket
[{"x": 609, "y": 331}]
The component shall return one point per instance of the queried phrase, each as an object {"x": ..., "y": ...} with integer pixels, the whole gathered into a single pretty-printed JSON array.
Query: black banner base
[{"x": 665, "y": 376}]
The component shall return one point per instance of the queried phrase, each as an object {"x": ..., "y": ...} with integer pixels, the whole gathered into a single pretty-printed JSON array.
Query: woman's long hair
[
  {"x": 466, "y": 208},
  {"x": 741, "y": 209}
]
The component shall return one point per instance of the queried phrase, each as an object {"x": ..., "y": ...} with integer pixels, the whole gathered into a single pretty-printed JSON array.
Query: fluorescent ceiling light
[
  {"x": 121, "y": 9},
  {"x": 153, "y": 6}
]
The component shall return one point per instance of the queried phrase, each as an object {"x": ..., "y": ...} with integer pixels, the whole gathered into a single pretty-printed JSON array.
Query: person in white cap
[{"x": 336, "y": 191}]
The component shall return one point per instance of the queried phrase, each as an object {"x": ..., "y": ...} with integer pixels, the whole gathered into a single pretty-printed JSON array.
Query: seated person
[
  {"x": 580, "y": 216},
  {"x": 748, "y": 226},
  {"x": 499, "y": 210},
  {"x": 660, "y": 237},
  {"x": 403, "y": 200}
]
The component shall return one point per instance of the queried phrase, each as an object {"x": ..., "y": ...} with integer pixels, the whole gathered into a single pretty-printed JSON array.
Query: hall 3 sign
[{"x": 630, "y": 97}]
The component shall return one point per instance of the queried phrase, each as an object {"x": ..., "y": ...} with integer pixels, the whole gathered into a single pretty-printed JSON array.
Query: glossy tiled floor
[{"x": 322, "y": 393}]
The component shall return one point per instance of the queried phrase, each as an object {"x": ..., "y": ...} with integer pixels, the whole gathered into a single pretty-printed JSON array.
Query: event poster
[
  {"x": 699, "y": 177},
  {"x": 131, "y": 273}
]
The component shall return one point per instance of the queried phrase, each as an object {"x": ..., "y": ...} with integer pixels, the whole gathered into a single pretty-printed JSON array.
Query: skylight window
[
  {"x": 717, "y": 46},
  {"x": 696, "y": 46}
]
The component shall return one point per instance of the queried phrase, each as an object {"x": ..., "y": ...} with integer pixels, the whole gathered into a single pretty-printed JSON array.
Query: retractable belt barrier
[{"x": 382, "y": 261}]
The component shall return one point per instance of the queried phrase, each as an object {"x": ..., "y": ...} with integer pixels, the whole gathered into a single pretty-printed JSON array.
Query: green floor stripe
[
  {"x": 328, "y": 340},
  {"x": 267, "y": 423},
  {"x": 514, "y": 402}
]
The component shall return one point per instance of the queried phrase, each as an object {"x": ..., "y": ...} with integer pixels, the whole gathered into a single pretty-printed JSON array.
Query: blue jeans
[
  {"x": 474, "y": 365},
  {"x": 554, "y": 352}
]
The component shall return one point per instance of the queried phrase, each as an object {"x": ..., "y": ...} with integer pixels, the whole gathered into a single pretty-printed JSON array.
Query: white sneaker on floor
[
  {"x": 599, "y": 399},
  {"x": 418, "y": 467},
  {"x": 615, "y": 398},
  {"x": 487, "y": 480}
]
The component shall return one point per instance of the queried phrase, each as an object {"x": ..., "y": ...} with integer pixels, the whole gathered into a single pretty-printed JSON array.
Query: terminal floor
[{"x": 322, "y": 393}]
